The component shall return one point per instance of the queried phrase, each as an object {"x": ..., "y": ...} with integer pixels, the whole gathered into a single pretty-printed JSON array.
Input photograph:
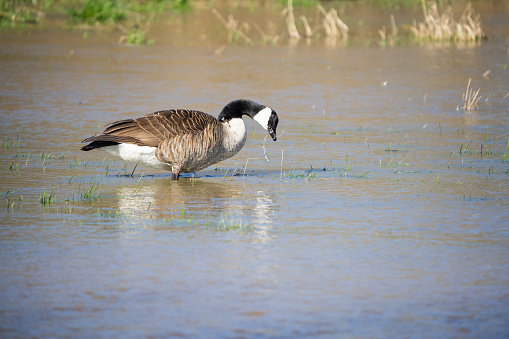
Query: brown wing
[{"x": 151, "y": 129}]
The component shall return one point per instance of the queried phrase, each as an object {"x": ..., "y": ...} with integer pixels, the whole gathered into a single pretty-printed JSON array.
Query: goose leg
[{"x": 175, "y": 173}]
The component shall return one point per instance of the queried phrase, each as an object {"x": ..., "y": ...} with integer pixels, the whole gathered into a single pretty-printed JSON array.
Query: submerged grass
[
  {"x": 15, "y": 143},
  {"x": 12, "y": 203},
  {"x": 111, "y": 214},
  {"x": 227, "y": 222},
  {"x": 184, "y": 215}
]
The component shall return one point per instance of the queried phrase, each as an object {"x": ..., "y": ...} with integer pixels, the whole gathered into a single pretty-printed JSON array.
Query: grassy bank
[
  {"x": 89, "y": 11},
  {"x": 311, "y": 19}
]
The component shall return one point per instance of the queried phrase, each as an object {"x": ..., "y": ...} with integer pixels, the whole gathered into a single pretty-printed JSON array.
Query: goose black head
[
  {"x": 264, "y": 115},
  {"x": 272, "y": 124}
]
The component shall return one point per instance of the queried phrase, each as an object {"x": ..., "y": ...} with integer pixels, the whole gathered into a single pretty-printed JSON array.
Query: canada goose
[{"x": 181, "y": 140}]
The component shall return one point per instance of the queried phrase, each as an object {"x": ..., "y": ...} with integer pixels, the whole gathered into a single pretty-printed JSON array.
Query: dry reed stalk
[
  {"x": 290, "y": 21},
  {"x": 393, "y": 37},
  {"x": 470, "y": 22},
  {"x": 333, "y": 25},
  {"x": 442, "y": 27},
  {"x": 309, "y": 31},
  {"x": 471, "y": 98},
  {"x": 282, "y": 157},
  {"x": 265, "y": 38},
  {"x": 394, "y": 28},
  {"x": 245, "y": 166},
  {"x": 232, "y": 26}
]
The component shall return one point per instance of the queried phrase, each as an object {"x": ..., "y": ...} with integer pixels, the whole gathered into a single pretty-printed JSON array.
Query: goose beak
[{"x": 272, "y": 133}]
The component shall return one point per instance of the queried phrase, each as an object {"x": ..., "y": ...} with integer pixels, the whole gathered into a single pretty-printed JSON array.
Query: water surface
[{"x": 381, "y": 210}]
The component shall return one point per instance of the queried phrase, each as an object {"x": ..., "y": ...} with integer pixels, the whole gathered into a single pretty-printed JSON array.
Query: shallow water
[{"x": 382, "y": 209}]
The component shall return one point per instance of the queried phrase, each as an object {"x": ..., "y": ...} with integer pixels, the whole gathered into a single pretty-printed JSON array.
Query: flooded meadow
[{"x": 382, "y": 210}]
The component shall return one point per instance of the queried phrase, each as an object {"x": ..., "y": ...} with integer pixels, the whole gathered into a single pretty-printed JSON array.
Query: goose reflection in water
[{"x": 200, "y": 200}]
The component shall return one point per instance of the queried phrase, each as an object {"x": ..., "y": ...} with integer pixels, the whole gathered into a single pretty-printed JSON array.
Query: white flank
[
  {"x": 263, "y": 117},
  {"x": 143, "y": 155}
]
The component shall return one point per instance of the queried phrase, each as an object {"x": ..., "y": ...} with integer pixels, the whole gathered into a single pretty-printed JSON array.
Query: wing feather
[{"x": 152, "y": 129}]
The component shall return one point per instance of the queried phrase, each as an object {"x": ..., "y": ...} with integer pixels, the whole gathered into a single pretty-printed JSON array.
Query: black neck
[{"x": 238, "y": 108}]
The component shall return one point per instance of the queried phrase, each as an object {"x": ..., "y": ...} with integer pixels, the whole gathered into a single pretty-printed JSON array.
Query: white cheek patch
[{"x": 263, "y": 117}]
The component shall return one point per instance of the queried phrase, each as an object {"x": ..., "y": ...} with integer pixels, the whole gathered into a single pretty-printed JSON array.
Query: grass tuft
[
  {"x": 136, "y": 188},
  {"x": 93, "y": 190},
  {"x": 136, "y": 34},
  {"x": 99, "y": 11},
  {"x": 506, "y": 154},
  {"x": 470, "y": 98},
  {"x": 46, "y": 199}
]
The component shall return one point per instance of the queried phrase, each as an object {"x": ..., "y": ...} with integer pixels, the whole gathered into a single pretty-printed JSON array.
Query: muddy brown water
[{"x": 381, "y": 210}]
